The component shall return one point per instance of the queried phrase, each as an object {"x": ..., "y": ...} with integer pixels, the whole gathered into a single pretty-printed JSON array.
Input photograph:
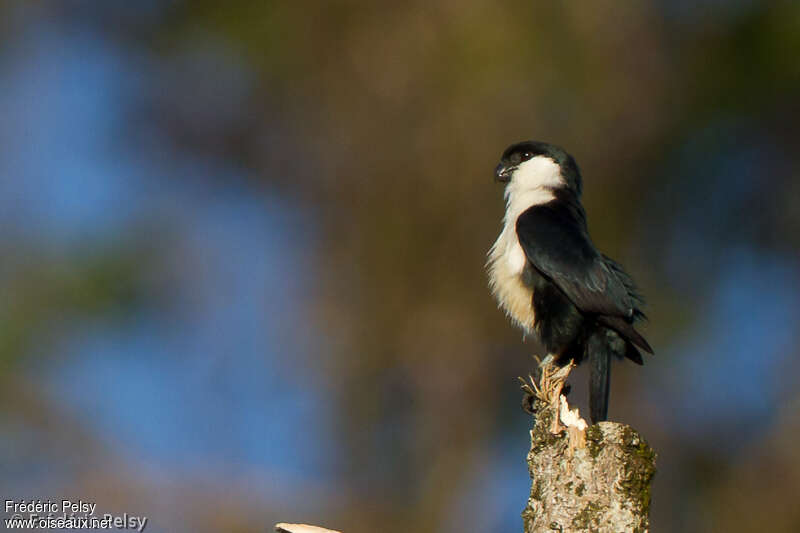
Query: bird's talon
[
  {"x": 547, "y": 361},
  {"x": 529, "y": 403}
]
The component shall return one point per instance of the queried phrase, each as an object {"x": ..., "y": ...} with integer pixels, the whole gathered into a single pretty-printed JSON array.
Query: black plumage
[{"x": 584, "y": 303}]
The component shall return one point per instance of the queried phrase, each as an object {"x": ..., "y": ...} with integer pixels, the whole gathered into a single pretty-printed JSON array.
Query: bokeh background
[{"x": 242, "y": 249}]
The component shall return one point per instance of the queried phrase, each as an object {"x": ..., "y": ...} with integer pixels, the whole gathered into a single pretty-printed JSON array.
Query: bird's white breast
[
  {"x": 516, "y": 259},
  {"x": 506, "y": 263}
]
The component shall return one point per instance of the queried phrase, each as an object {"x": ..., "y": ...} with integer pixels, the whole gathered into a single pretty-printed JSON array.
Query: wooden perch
[
  {"x": 584, "y": 478},
  {"x": 301, "y": 528}
]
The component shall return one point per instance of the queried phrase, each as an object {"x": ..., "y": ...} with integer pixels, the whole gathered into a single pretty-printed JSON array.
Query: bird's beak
[{"x": 503, "y": 173}]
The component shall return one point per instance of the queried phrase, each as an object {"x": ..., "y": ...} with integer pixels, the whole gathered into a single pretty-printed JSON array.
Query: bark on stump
[{"x": 584, "y": 478}]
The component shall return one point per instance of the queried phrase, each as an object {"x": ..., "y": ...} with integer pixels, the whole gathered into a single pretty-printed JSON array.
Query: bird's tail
[{"x": 600, "y": 351}]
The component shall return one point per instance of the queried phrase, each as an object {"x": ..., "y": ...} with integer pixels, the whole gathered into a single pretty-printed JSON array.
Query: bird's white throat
[{"x": 531, "y": 184}]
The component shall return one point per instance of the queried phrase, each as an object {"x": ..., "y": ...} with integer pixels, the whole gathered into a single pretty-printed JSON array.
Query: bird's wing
[
  {"x": 630, "y": 286},
  {"x": 556, "y": 243}
]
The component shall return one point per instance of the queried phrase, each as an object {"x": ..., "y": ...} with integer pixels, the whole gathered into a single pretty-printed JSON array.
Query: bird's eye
[{"x": 526, "y": 155}]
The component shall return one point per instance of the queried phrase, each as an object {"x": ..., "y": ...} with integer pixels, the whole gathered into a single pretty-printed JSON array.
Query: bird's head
[{"x": 531, "y": 165}]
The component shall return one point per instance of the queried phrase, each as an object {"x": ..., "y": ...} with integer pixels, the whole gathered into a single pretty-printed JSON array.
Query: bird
[{"x": 549, "y": 278}]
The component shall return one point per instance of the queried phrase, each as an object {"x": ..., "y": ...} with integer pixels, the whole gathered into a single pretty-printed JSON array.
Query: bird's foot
[
  {"x": 528, "y": 401},
  {"x": 547, "y": 389},
  {"x": 547, "y": 361},
  {"x": 530, "y": 395}
]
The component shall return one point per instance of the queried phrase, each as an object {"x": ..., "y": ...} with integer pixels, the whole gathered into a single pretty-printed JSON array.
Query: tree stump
[{"x": 584, "y": 478}]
